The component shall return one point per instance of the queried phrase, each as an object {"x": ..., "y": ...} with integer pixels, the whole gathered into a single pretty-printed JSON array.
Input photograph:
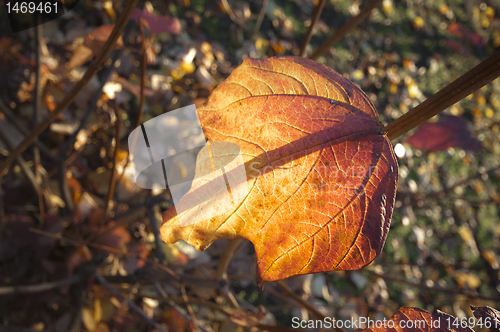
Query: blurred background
[{"x": 74, "y": 225}]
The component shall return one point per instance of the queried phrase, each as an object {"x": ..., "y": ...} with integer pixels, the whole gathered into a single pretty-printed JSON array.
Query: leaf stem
[{"x": 474, "y": 79}]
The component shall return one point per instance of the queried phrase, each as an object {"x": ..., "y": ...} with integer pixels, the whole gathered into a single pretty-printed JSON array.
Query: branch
[
  {"x": 111, "y": 250},
  {"x": 40, "y": 287},
  {"x": 153, "y": 223},
  {"x": 233, "y": 17},
  {"x": 112, "y": 181},
  {"x": 20, "y": 127},
  {"x": 22, "y": 163},
  {"x": 316, "y": 15},
  {"x": 189, "y": 318},
  {"x": 2, "y": 211},
  {"x": 227, "y": 255},
  {"x": 434, "y": 288},
  {"x": 70, "y": 96},
  {"x": 260, "y": 18},
  {"x": 130, "y": 303},
  {"x": 474, "y": 79},
  {"x": 143, "y": 75},
  {"x": 345, "y": 29},
  {"x": 301, "y": 301}
]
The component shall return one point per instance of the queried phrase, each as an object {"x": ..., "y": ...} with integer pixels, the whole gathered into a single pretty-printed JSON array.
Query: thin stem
[
  {"x": 229, "y": 252},
  {"x": 23, "y": 130},
  {"x": 23, "y": 289},
  {"x": 355, "y": 52},
  {"x": 38, "y": 85},
  {"x": 70, "y": 96},
  {"x": 112, "y": 180},
  {"x": 38, "y": 179},
  {"x": 301, "y": 301},
  {"x": 143, "y": 74},
  {"x": 189, "y": 318},
  {"x": 233, "y": 17},
  {"x": 474, "y": 79},
  {"x": 105, "y": 75},
  {"x": 345, "y": 29},
  {"x": 260, "y": 19},
  {"x": 434, "y": 289},
  {"x": 189, "y": 307},
  {"x": 153, "y": 223},
  {"x": 36, "y": 108},
  {"x": 63, "y": 187},
  {"x": 130, "y": 303},
  {"x": 109, "y": 249},
  {"x": 2, "y": 211},
  {"x": 22, "y": 163},
  {"x": 314, "y": 21}
]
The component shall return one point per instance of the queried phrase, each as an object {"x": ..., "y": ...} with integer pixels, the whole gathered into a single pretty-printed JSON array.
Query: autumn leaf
[
  {"x": 489, "y": 317},
  {"x": 98, "y": 37},
  {"x": 157, "y": 24},
  {"x": 321, "y": 173},
  {"x": 415, "y": 319},
  {"x": 439, "y": 136}
]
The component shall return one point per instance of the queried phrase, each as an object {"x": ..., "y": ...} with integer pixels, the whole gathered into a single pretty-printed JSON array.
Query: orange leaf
[
  {"x": 321, "y": 173},
  {"x": 419, "y": 320}
]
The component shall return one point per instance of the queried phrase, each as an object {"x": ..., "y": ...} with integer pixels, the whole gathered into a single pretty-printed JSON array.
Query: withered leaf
[
  {"x": 98, "y": 37},
  {"x": 439, "y": 136},
  {"x": 320, "y": 172},
  {"x": 157, "y": 24},
  {"x": 489, "y": 317},
  {"x": 415, "y": 319}
]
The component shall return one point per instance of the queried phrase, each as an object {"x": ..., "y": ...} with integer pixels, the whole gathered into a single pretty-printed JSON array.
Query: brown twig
[
  {"x": 462, "y": 182},
  {"x": 2, "y": 211},
  {"x": 301, "y": 301},
  {"x": 153, "y": 223},
  {"x": 104, "y": 74},
  {"x": 355, "y": 52},
  {"x": 314, "y": 21},
  {"x": 130, "y": 303},
  {"x": 185, "y": 299},
  {"x": 221, "y": 272},
  {"x": 434, "y": 289},
  {"x": 8, "y": 328},
  {"x": 20, "y": 127},
  {"x": 63, "y": 186},
  {"x": 260, "y": 19},
  {"x": 109, "y": 249},
  {"x": 70, "y": 96},
  {"x": 143, "y": 75},
  {"x": 232, "y": 16},
  {"x": 229, "y": 252},
  {"x": 345, "y": 29},
  {"x": 22, "y": 163},
  {"x": 38, "y": 77},
  {"x": 38, "y": 178},
  {"x": 474, "y": 79},
  {"x": 189, "y": 307},
  {"x": 112, "y": 180},
  {"x": 225, "y": 311},
  {"x": 23, "y": 289},
  {"x": 36, "y": 108},
  {"x": 131, "y": 210}
]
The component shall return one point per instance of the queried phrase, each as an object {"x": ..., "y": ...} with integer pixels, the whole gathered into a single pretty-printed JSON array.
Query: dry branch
[{"x": 345, "y": 29}]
